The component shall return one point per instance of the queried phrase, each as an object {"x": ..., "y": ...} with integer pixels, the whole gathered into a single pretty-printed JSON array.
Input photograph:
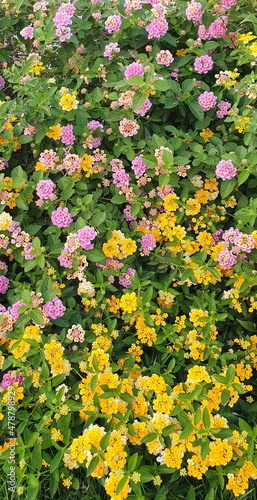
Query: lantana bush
[{"x": 128, "y": 176}]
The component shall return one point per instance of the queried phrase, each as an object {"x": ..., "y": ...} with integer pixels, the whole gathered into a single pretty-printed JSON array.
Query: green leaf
[
  {"x": 54, "y": 482},
  {"x": 95, "y": 255},
  {"x": 132, "y": 463},
  {"x": 56, "y": 461},
  {"x": 93, "y": 464},
  {"x": 36, "y": 457},
  {"x": 33, "y": 487},
  {"x": 37, "y": 317},
  {"x": 227, "y": 187},
  {"x": 205, "y": 447},
  {"x": 206, "y": 418},
  {"x": 121, "y": 484},
  {"x": 210, "y": 495},
  {"x": 230, "y": 375},
  {"x": 242, "y": 177},
  {"x": 138, "y": 101},
  {"x": 135, "y": 209},
  {"x": 188, "y": 85},
  {"x": 150, "y": 437},
  {"x": 247, "y": 325},
  {"x": 225, "y": 395},
  {"x": 244, "y": 427},
  {"x": 196, "y": 109},
  {"x": 161, "y": 85},
  {"x": 191, "y": 494},
  {"x": 186, "y": 432}
]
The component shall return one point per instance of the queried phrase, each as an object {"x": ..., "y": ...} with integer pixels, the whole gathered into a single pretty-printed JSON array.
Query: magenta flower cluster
[
  {"x": 164, "y": 57},
  {"x": 61, "y": 217},
  {"x": 54, "y": 308},
  {"x": 134, "y": 69},
  {"x": 67, "y": 136},
  {"x": 138, "y": 166},
  {"x": 85, "y": 237},
  {"x": 194, "y": 12},
  {"x": 44, "y": 190},
  {"x": 224, "y": 109},
  {"x": 4, "y": 284},
  {"x": 225, "y": 170},
  {"x": 27, "y": 32},
  {"x": 207, "y": 100},
  {"x": 62, "y": 20},
  {"x": 110, "y": 50},
  {"x": 217, "y": 29},
  {"x": 203, "y": 64},
  {"x": 10, "y": 378},
  {"x": 158, "y": 27},
  {"x": 148, "y": 244},
  {"x": 113, "y": 23},
  {"x": 144, "y": 108}
]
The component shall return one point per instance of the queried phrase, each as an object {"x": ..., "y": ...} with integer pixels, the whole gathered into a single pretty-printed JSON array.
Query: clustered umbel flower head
[
  {"x": 203, "y": 64},
  {"x": 226, "y": 259},
  {"x": 217, "y": 29},
  {"x": 225, "y": 170},
  {"x": 207, "y": 100},
  {"x": 124, "y": 279},
  {"x": 4, "y": 284},
  {"x": 44, "y": 190},
  {"x": 224, "y": 109},
  {"x": 67, "y": 136},
  {"x": 2, "y": 83},
  {"x": 113, "y": 24},
  {"x": 54, "y": 308},
  {"x": 10, "y": 378},
  {"x": 134, "y": 69},
  {"x": 138, "y": 166},
  {"x": 148, "y": 244},
  {"x": 194, "y": 12},
  {"x": 48, "y": 158},
  {"x": 3, "y": 164},
  {"x": 85, "y": 237},
  {"x": 70, "y": 163},
  {"x": 120, "y": 177},
  {"x": 128, "y": 128},
  {"x": 227, "y": 4},
  {"x": 61, "y": 217},
  {"x": 76, "y": 333},
  {"x": 127, "y": 213},
  {"x": 111, "y": 49},
  {"x": 62, "y": 20},
  {"x": 27, "y": 32},
  {"x": 164, "y": 57},
  {"x": 158, "y": 27},
  {"x": 132, "y": 4}
]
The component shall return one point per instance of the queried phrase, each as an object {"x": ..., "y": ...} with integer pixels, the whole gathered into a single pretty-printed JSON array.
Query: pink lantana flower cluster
[
  {"x": 113, "y": 23},
  {"x": 194, "y": 12},
  {"x": 128, "y": 128},
  {"x": 225, "y": 170},
  {"x": 85, "y": 237},
  {"x": 164, "y": 57},
  {"x": 134, "y": 69},
  {"x": 158, "y": 27},
  {"x": 110, "y": 50},
  {"x": 44, "y": 190},
  {"x": 203, "y": 64},
  {"x": 207, "y": 100},
  {"x": 224, "y": 109},
  {"x": 54, "y": 308},
  {"x": 61, "y": 217}
]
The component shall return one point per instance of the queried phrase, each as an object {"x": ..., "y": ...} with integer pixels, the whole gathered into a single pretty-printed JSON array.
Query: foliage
[{"x": 129, "y": 242}]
